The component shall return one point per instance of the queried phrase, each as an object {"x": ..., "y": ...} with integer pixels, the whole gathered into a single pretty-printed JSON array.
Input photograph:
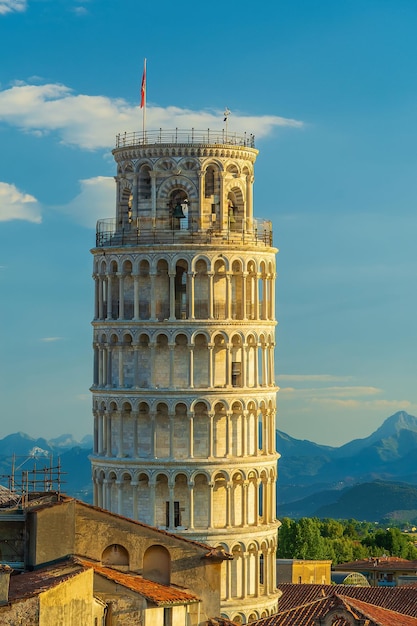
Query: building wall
[
  {"x": 22, "y": 612},
  {"x": 126, "y": 609},
  {"x": 51, "y": 532},
  {"x": 301, "y": 571},
  {"x": 71, "y": 603}
]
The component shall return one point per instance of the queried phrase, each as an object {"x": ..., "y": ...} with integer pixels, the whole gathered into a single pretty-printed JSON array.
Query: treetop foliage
[{"x": 340, "y": 541}]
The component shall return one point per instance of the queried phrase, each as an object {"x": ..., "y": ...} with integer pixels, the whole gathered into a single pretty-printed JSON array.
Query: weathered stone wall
[
  {"x": 51, "y": 533},
  {"x": 70, "y": 603},
  {"x": 24, "y": 612}
]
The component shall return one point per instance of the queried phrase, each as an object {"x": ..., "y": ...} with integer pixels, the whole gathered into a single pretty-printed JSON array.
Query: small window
[{"x": 177, "y": 514}]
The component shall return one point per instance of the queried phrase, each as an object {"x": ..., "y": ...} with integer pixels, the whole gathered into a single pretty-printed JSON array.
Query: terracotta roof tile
[
  {"x": 385, "y": 563},
  {"x": 381, "y": 616},
  {"x": 307, "y": 614},
  {"x": 157, "y": 593},
  {"x": 401, "y": 599},
  {"x": 33, "y": 583}
]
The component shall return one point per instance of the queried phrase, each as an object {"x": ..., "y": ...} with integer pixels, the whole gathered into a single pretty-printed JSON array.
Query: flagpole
[{"x": 143, "y": 100}]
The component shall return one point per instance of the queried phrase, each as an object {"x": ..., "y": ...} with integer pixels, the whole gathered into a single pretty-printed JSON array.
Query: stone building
[
  {"x": 184, "y": 398},
  {"x": 304, "y": 571},
  {"x": 79, "y": 565}
]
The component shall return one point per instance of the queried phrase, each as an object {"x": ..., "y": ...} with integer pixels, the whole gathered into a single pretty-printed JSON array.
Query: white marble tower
[{"x": 184, "y": 397}]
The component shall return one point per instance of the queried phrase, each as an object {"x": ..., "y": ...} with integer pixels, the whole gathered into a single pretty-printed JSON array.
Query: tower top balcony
[
  {"x": 185, "y": 137},
  {"x": 184, "y": 187}
]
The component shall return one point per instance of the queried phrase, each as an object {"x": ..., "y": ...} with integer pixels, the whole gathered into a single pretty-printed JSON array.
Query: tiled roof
[
  {"x": 401, "y": 599},
  {"x": 385, "y": 563},
  {"x": 33, "y": 583},
  {"x": 159, "y": 594},
  {"x": 307, "y": 614},
  {"x": 380, "y": 616}
]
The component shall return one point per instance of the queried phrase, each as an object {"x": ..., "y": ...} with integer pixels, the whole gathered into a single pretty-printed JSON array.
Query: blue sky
[{"x": 330, "y": 91}]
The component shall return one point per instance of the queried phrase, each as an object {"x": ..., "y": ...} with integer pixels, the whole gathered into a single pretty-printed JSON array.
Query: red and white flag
[{"x": 143, "y": 87}]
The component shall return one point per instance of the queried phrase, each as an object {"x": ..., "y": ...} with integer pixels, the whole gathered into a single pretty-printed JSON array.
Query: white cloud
[
  {"x": 319, "y": 378},
  {"x": 95, "y": 200},
  {"x": 17, "y": 205},
  {"x": 92, "y": 122},
  {"x": 51, "y": 339},
  {"x": 80, "y": 11},
  {"x": 352, "y": 403},
  {"x": 12, "y": 6},
  {"x": 334, "y": 392}
]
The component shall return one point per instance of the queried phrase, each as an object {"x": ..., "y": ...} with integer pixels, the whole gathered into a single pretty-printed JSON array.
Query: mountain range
[
  {"x": 314, "y": 478},
  {"x": 371, "y": 478}
]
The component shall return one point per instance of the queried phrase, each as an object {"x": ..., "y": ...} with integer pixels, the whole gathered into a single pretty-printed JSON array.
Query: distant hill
[
  {"x": 373, "y": 502},
  {"x": 314, "y": 478}
]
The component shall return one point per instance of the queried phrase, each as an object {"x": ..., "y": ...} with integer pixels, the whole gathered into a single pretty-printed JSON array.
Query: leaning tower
[{"x": 184, "y": 397}]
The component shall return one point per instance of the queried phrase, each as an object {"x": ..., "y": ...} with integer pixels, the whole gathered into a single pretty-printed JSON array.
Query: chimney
[{"x": 5, "y": 571}]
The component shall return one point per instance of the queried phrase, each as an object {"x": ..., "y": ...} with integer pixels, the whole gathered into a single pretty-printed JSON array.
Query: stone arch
[
  {"x": 162, "y": 290},
  {"x": 165, "y": 164},
  {"x": 236, "y": 429},
  {"x": 201, "y": 360},
  {"x": 127, "y": 290},
  {"x": 251, "y": 290},
  {"x": 236, "y": 208},
  {"x": 161, "y": 499},
  {"x": 115, "y": 555},
  {"x": 126, "y": 445},
  {"x": 220, "y": 500},
  {"x": 219, "y": 359},
  {"x": 178, "y": 191},
  {"x": 220, "y": 289},
  {"x": 144, "y": 182},
  {"x": 144, "y": 361},
  {"x": 145, "y": 442},
  {"x": 181, "y": 431},
  {"x": 232, "y": 169},
  {"x": 181, "y": 501},
  {"x": 236, "y": 289},
  {"x": 181, "y": 289},
  {"x": 124, "y": 213},
  {"x": 200, "y": 430},
  {"x": 237, "y": 499},
  {"x": 161, "y": 372},
  {"x": 144, "y": 514},
  {"x": 220, "y": 429},
  {"x": 180, "y": 373},
  {"x": 201, "y": 497},
  {"x": 144, "y": 289},
  {"x": 127, "y": 167},
  {"x": 252, "y": 498},
  {"x": 252, "y": 566},
  {"x": 237, "y": 360},
  {"x": 189, "y": 164},
  {"x": 157, "y": 565},
  {"x": 201, "y": 288},
  {"x": 162, "y": 431},
  {"x": 112, "y": 499},
  {"x": 237, "y": 566}
]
